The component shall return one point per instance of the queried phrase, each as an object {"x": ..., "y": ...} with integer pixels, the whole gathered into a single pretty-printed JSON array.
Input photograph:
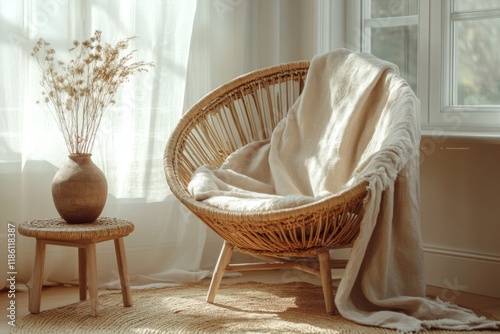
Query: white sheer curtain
[
  {"x": 232, "y": 37},
  {"x": 196, "y": 46}
]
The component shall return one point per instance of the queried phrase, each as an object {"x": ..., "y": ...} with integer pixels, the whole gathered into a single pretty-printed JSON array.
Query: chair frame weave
[{"x": 242, "y": 111}]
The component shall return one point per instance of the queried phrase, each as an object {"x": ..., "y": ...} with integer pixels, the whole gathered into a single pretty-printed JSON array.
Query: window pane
[
  {"x": 399, "y": 46},
  {"x": 391, "y": 8},
  {"x": 476, "y": 79},
  {"x": 465, "y": 5}
]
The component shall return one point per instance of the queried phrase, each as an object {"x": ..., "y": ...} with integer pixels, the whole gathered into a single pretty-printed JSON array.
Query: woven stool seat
[{"x": 56, "y": 231}]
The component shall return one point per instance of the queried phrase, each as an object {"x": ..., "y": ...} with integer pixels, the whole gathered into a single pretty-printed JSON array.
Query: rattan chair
[{"x": 245, "y": 110}]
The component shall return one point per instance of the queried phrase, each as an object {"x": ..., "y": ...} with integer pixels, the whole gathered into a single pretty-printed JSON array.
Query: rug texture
[{"x": 239, "y": 308}]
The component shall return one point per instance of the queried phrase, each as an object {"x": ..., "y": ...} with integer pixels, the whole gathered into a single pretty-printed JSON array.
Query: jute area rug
[{"x": 240, "y": 308}]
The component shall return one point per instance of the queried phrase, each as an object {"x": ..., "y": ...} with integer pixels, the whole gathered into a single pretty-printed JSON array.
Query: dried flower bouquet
[{"x": 80, "y": 91}]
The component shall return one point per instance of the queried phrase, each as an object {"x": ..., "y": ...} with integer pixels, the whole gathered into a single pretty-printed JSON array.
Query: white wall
[{"x": 460, "y": 210}]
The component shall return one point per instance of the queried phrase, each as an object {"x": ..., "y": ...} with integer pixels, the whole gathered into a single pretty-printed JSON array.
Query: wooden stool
[{"x": 56, "y": 231}]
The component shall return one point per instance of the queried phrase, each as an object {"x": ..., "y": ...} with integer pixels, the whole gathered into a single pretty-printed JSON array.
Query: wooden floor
[{"x": 56, "y": 296}]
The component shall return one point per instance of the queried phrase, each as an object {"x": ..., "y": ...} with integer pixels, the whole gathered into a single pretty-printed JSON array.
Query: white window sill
[{"x": 479, "y": 135}]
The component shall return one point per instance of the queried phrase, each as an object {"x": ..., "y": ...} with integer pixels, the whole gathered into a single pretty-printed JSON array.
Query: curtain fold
[{"x": 196, "y": 45}]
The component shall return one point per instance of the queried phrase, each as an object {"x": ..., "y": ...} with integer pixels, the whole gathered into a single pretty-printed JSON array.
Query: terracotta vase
[{"x": 79, "y": 190}]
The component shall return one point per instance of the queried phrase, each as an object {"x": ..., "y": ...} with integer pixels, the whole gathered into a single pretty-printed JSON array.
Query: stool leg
[
  {"x": 35, "y": 285},
  {"x": 92, "y": 278},
  {"x": 121, "y": 260},
  {"x": 82, "y": 272}
]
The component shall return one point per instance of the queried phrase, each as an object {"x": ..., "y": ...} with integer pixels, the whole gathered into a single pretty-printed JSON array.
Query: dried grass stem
[{"x": 79, "y": 92}]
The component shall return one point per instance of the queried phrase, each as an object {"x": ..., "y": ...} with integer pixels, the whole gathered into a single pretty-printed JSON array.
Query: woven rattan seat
[
  {"x": 56, "y": 231},
  {"x": 245, "y": 110}
]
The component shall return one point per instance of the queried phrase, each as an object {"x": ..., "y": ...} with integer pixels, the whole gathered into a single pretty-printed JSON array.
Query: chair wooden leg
[
  {"x": 82, "y": 272},
  {"x": 326, "y": 281},
  {"x": 121, "y": 260},
  {"x": 220, "y": 268},
  {"x": 92, "y": 278},
  {"x": 35, "y": 285}
]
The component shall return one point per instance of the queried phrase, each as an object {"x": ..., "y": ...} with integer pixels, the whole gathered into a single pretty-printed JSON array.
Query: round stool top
[{"x": 59, "y": 229}]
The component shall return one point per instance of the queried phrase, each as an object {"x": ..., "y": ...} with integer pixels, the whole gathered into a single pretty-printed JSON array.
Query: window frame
[
  {"x": 434, "y": 76},
  {"x": 465, "y": 117}
]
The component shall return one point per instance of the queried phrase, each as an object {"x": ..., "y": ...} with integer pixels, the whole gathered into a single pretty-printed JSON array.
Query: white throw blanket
[{"x": 355, "y": 120}]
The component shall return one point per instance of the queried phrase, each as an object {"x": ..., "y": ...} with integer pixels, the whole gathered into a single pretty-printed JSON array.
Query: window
[
  {"x": 448, "y": 51},
  {"x": 474, "y": 28},
  {"x": 391, "y": 33}
]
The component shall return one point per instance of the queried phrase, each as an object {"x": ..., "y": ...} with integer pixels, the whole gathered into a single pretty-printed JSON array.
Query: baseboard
[{"x": 458, "y": 271}]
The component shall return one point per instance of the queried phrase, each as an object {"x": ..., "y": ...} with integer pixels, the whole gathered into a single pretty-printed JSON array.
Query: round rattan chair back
[{"x": 245, "y": 110}]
